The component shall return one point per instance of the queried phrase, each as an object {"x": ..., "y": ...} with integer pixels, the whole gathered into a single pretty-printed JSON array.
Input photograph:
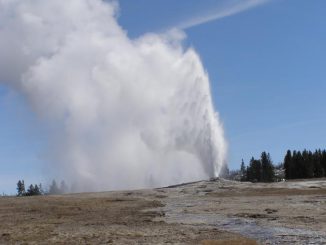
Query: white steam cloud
[{"x": 126, "y": 113}]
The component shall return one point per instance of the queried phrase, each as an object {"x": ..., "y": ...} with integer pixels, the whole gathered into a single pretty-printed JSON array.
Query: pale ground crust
[{"x": 205, "y": 212}]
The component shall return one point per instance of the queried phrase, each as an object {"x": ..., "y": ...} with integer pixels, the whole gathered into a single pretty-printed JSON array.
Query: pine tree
[
  {"x": 21, "y": 188},
  {"x": 264, "y": 166},
  {"x": 308, "y": 167},
  {"x": 249, "y": 172},
  {"x": 257, "y": 170},
  {"x": 254, "y": 170},
  {"x": 54, "y": 188},
  {"x": 288, "y": 165},
  {"x": 323, "y": 162},
  {"x": 300, "y": 166},
  {"x": 267, "y": 168},
  {"x": 305, "y": 164},
  {"x": 317, "y": 166},
  {"x": 297, "y": 165},
  {"x": 30, "y": 191}
]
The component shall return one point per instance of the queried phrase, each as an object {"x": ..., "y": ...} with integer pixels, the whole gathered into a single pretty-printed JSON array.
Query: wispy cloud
[{"x": 221, "y": 12}]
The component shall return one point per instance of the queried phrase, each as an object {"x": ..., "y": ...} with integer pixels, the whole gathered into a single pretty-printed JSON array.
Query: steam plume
[{"x": 127, "y": 113}]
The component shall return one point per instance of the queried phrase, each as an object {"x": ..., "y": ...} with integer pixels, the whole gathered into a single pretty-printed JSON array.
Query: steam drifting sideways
[{"x": 127, "y": 113}]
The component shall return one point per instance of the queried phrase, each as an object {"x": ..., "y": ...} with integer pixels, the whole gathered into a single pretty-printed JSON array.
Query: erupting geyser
[{"x": 127, "y": 113}]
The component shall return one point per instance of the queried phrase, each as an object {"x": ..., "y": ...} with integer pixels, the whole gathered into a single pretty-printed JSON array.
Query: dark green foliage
[
  {"x": 288, "y": 164},
  {"x": 305, "y": 165},
  {"x": 323, "y": 161},
  {"x": 255, "y": 170},
  {"x": 21, "y": 188},
  {"x": 55, "y": 190},
  {"x": 267, "y": 168},
  {"x": 33, "y": 190},
  {"x": 261, "y": 170}
]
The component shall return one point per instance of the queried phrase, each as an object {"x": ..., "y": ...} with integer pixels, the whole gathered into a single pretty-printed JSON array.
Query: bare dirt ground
[{"x": 205, "y": 212}]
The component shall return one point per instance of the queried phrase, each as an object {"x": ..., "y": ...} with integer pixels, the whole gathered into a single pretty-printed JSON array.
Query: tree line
[
  {"x": 305, "y": 164},
  {"x": 37, "y": 190},
  {"x": 258, "y": 170},
  {"x": 296, "y": 165}
]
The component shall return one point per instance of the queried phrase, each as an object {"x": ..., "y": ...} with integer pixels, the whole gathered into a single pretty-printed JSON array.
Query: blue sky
[
  {"x": 266, "y": 66},
  {"x": 21, "y": 142},
  {"x": 267, "y": 70}
]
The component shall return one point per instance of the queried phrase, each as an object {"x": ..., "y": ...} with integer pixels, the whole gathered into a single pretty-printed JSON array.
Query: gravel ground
[{"x": 205, "y": 212}]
